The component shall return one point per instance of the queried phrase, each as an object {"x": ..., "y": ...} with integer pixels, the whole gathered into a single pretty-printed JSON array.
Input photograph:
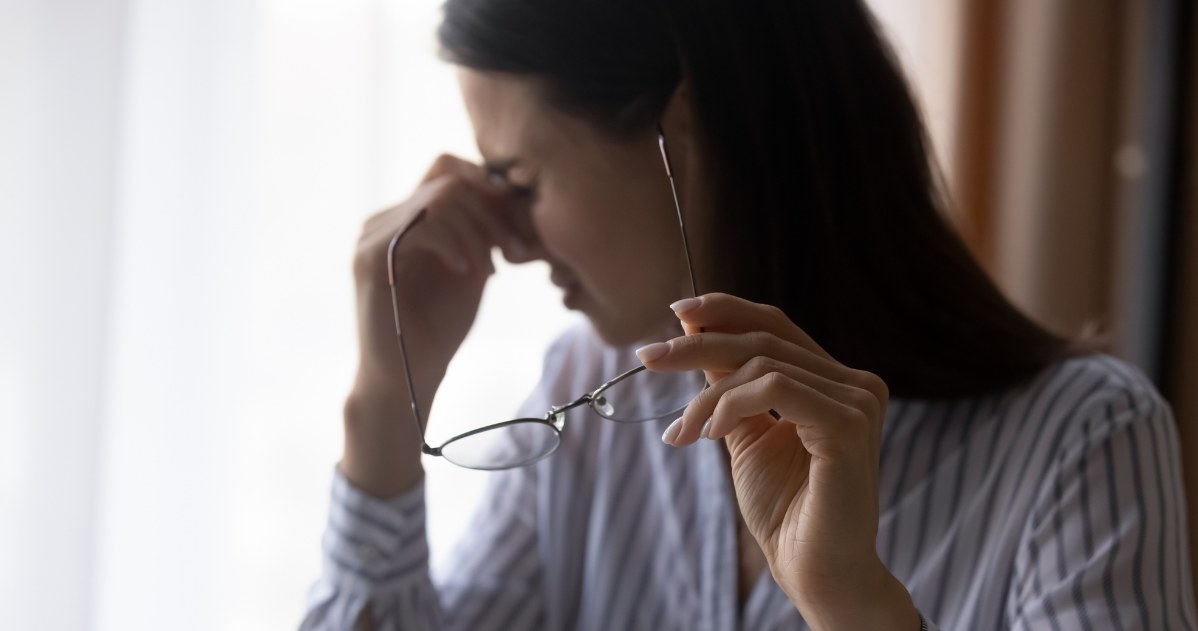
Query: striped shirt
[{"x": 1056, "y": 504}]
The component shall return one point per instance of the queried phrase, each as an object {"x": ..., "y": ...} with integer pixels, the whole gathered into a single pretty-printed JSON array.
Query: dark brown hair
[{"x": 830, "y": 206}]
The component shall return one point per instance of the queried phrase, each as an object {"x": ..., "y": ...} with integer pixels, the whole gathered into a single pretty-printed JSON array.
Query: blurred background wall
[
  {"x": 181, "y": 186},
  {"x": 1075, "y": 170},
  {"x": 182, "y": 183}
]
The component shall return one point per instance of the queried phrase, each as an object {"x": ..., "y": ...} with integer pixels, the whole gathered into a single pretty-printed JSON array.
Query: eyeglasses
[{"x": 635, "y": 396}]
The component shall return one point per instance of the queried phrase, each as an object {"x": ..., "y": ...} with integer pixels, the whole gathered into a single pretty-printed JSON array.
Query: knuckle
[
  {"x": 689, "y": 343},
  {"x": 722, "y": 404},
  {"x": 443, "y": 163},
  {"x": 856, "y": 418},
  {"x": 762, "y": 365},
  {"x": 453, "y": 186},
  {"x": 859, "y": 378},
  {"x": 776, "y": 381},
  {"x": 762, "y": 340},
  {"x": 374, "y": 218},
  {"x": 775, "y": 314},
  {"x": 382, "y": 217},
  {"x": 717, "y": 296},
  {"x": 881, "y": 390},
  {"x": 368, "y": 265},
  {"x": 708, "y": 397},
  {"x": 863, "y": 400},
  {"x": 871, "y": 383}
]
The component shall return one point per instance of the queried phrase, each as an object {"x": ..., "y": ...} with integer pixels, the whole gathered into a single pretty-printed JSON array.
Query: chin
[{"x": 626, "y": 332}]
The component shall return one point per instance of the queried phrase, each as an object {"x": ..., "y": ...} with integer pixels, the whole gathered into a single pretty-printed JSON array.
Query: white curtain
[{"x": 181, "y": 186}]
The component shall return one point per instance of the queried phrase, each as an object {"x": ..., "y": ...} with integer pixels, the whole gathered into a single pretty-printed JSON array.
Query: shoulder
[
  {"x": 1079, "y": 404},
  {"x": 1095, "y": 386}
]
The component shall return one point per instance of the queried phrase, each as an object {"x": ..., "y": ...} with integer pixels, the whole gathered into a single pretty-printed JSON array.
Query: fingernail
[
  {"x": 686, "y": 304},
  {"x": 652, "y": 352},
  {"x": 706, "y": 429},
  {"x": 672, "y": 431}
]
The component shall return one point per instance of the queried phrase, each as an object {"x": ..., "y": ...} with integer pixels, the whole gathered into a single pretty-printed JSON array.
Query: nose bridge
[
  {"x": 521, "y": 218},
  {"x": 562, "y": 409},
  {"x": 529, "y": 245}
]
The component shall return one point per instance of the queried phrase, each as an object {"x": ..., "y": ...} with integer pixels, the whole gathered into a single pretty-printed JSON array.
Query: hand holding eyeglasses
[
  {"x": 439, "y": 271},
  {"x": 804, "y": 433}
]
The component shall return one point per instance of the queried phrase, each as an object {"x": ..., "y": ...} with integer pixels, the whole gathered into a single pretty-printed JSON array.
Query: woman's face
[{"x": 601, "y": 209}]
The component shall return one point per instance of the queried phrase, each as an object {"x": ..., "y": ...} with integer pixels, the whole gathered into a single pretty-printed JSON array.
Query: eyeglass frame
[{"x": 555, "y": 417}]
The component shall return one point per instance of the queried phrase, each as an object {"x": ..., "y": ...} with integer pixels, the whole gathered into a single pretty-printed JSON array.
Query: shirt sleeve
[
  {"x": 376, "y": 552},
  {"x": 376, "y": 556},
  {"x": 1105, "y": 545}
]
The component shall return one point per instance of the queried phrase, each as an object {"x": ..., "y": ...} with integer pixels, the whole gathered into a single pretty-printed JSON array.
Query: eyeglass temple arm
[
  {"x": 403, "y": 352},
  {"x": 591, "y": 396},
  {"x": 665, "y": 159},
  {"x": 597, "y": 392}
]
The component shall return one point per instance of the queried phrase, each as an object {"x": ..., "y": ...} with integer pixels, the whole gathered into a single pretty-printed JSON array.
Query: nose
[
  {"x": 522, "y": 250},
  {"x": 525, "y": 244}
]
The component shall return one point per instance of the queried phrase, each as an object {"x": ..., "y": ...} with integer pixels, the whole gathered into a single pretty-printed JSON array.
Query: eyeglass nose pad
[
  {"x": 603, "y": 407},
  {"x": 557, "y": 419}
]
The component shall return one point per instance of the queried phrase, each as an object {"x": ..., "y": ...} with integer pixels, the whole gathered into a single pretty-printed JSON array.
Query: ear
[
  {"x": 680, "y": 149},
  {"x": 676, "y": 123},
  {"x": 676, "y": 119}
]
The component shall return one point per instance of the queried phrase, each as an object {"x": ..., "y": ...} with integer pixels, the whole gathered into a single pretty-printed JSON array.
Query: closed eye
[
  {"x": 498, "y": 173},
  {"x": 527, "y": 191}
]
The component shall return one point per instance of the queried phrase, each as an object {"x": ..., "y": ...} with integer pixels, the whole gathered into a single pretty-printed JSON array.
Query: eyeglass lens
[{"x": 644, "y": 396}]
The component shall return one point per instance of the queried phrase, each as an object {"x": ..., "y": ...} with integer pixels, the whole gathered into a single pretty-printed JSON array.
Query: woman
[{"x": 885, "y": 443}]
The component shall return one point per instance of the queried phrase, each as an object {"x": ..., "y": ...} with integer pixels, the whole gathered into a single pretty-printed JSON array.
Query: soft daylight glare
[
  {"x": 259, "y": 139},
  {"x": 921, "y": 33},
  {"x": 182, "y": 185},
  {"x": 521, "y": 313}
]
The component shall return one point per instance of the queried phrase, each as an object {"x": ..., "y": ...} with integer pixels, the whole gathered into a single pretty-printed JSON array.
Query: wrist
[
  {"x": 382, "y": 452},
  {"x": 880, "y": 601}
]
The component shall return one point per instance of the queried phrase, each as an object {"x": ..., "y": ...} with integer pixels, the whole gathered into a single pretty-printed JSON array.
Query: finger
[
  {"x": 461, "y": 209},
  {"x": 827, "y": 428},
  {"x": 518, "y": 214},
  {"x": 449, "y": 199},
  {"x": 472, "y": 236},
  {"x": 390, "y": 220},
  {"x": 726, "y": 352},
  {"x": 447, "y": 164},
  {"x": 718, "y": 353},
  {"x": 729, "y": 314},
  {"x": 370, "y": 261},
  {"x": 498, "y": 222},
  {"x": 503, "y": 209},
  {"x": 436, "y": 238},
  {"x": 702, "y": 408}
]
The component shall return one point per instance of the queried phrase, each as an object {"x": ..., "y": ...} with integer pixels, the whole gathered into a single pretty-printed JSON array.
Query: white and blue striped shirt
[{"x": 1054, "y": 505}]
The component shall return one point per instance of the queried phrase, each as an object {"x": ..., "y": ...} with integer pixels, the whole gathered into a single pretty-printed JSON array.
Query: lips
[
  {"x": 562, "y": 279},
  {"x": 570, "y": 286}
]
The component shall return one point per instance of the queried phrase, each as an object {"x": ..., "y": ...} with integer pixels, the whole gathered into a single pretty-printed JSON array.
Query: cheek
[{"x": 564, "y": 229}]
